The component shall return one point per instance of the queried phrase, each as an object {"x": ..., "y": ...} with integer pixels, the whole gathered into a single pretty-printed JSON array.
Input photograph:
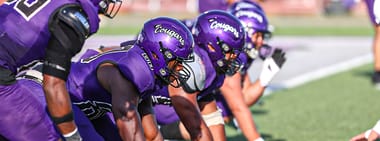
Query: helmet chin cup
[{"x": 252, "y": 53}]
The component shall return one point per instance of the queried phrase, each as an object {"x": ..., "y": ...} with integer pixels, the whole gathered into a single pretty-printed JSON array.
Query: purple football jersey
[
  {"x": 371, "y": 13},
  {"x": 37, "y": 125},
  {"x": 30, "y": 121},
  {"x": 24, "y": 29},
  {"x": 91, "y": 97}
]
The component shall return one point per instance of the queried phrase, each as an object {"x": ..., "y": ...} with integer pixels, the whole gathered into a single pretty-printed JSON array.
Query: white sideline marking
[{"x": 324, "y": 72}]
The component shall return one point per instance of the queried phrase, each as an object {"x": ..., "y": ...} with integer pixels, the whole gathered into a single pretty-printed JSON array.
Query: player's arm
[
  {"x": 185, "y": 105},
  {"x": 68, "y": 33},
  {"x": 125, "y": 99},
  {"x": 184, "y": 101},
  {"x": 232, "y": 93},
  {"x": 148, "y": 120},
  {"x": 252, "y": 91},
  {"x": 271, "y": 66}
]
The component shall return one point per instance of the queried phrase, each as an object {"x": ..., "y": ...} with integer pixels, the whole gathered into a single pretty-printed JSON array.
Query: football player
[
  {"x": 238, "y": 92},
  {"x": 219, "y": 38},
  {"x": 31, "y": 76},
  {"x": 121, "y": 81},
  {"x": 52, "y": 31},
  {"x": 373, "y": 7},
  {"x": 163, "y": 44}
]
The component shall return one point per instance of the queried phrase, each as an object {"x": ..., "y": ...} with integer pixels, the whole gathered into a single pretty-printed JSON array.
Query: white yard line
[{"x": 323, "y": 72}]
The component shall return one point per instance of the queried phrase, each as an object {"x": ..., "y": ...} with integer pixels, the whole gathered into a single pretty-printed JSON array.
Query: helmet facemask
[
  {"x": 251, "y": 48},
  {"x": 174, "y": 73},
  {"x": 230, "y": 64},
  {"x": 110, "y": 7}
]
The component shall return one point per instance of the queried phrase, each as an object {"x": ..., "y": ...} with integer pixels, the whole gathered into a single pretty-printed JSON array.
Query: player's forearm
[
  {"x": 241, "y": 112},
  {"x": 191, "y": 118},
  {"x": 130, "y": 129},
  {"x": 58, "y": 103},
  {"x": 253, "y": 92}
]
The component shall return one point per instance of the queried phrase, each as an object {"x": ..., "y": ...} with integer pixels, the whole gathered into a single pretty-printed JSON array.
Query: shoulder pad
[
  {"x": 74, "y": 16},
  {"x": 197, "y": 79}
]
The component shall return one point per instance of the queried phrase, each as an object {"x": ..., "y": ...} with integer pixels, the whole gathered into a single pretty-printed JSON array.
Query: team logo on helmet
[
  {"x": 226, "y": 27},
  {"x": 160, "y": 29},
  {"x": 250, "y": 14}
]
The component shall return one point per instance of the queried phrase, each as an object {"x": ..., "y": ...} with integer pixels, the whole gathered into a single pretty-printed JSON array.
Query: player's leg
[
  {"x": 374, "y": 15},
  {"x": 212, "y": 115}
]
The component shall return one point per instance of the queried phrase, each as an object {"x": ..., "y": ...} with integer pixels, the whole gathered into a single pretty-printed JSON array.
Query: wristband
[
  {"x": 66, "y": 118},
  {"x": 71, "y": 133},
  {"x": 376, "y": 128},
  {"x": 73, "y": 136},
  {"x": 366, "y": 134}
]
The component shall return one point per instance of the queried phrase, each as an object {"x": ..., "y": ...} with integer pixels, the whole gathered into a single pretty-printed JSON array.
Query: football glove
[{"x": 272, "y": 66}]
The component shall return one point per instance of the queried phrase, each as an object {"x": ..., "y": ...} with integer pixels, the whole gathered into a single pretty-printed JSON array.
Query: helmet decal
[
  {"x": 226, "y": 27},
  {"x": 169, "y": 32}
]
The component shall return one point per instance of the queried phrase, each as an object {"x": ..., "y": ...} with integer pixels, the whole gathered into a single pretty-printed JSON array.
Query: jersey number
[
  {"x": 28, "y": 8},
  {"x": 94, "y": 109}
]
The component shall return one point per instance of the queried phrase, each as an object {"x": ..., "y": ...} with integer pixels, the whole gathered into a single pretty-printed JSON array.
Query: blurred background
[
  {"x": 328, "y": 16},
  {"x": 323, "y": 92}
]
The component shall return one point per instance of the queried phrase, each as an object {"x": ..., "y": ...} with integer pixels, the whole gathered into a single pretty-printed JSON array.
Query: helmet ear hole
[
  {"x": 155, "y": 56},
  {"x": 211, "y": 48}
]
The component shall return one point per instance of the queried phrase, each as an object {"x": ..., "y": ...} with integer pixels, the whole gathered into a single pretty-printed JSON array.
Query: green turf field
[{"x": 335, "y": 108}]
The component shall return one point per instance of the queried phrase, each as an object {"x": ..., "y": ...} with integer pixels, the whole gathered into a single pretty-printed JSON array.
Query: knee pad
[{"x": 214, "y": 118}]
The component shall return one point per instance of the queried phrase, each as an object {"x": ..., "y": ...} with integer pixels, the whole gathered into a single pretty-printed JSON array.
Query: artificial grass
[{"x": 335, "y": 108}]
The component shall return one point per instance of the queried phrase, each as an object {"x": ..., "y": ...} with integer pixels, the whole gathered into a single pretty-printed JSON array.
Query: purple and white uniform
[
  {"x": 87, "y": 93},
  {"x": 24, "y": 29},
  {"x": 373, "y": 7},
  {"x": 32, "y": 78},
  {"x": 24, "y": 37},
  {"x": 204, "y": 78}
]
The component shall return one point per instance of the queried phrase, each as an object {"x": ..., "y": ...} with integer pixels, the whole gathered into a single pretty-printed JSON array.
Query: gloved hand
[
  {"x": 272, "y": 66},
  {"x": 73, "y": 136}
]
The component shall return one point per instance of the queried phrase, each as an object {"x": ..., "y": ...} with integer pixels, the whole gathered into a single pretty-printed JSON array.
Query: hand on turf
[{"x": 272, "y": 66}]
